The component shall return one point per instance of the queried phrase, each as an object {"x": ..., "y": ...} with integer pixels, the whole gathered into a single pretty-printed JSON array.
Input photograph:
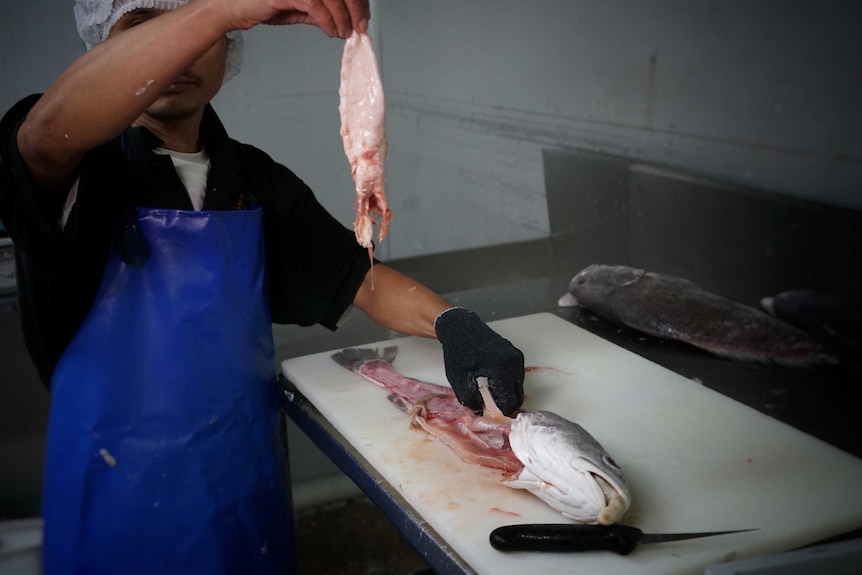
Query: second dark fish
[{"x": 835, "y": 320}]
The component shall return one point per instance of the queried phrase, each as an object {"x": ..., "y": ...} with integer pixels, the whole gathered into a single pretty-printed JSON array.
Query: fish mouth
[
  {"x": 616, "y": 503},
  {"x": 567, "y": 300},
  {"x": 594, "y": 499}
]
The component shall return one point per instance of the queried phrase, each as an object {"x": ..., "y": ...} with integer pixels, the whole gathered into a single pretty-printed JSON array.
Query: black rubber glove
[{"x": 471, "y": 349}]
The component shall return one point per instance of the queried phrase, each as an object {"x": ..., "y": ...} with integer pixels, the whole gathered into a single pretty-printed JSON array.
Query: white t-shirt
[{"x": 193, "y": 170}]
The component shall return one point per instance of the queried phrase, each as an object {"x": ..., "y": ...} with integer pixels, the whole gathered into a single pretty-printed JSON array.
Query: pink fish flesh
[
  {"x": 362, "y": 109},
  {"x": 435, "y": 409},
  {"x": 541, "y": 452}
]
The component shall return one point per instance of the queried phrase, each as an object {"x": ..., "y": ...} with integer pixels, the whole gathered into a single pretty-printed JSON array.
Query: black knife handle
[{"x": 563, "y": 537}]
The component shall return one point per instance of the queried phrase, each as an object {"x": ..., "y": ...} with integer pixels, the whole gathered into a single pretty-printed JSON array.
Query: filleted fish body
[
  {"x": 435, "y": 409},
  {"x": 675, "y": 308},
  {"x": 551, "y": 457},
  {"x": 362, "y": 108}
]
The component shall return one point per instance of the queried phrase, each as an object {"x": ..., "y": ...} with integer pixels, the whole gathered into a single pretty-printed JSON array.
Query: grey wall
[{"x": 763, "y": 94}]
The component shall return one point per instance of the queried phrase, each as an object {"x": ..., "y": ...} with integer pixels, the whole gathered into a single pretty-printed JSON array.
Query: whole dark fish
[
  {"x": 835, "y": 320},
  {"x": 551, "y": 457},
  {"x": 674, "y": 308}
]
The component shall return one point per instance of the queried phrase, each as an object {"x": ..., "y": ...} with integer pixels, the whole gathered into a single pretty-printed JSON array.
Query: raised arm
[
  {"x": 102, "y": 93},
  {"x": 471, "y": 349},
  {"x": 399, "y": 303}
]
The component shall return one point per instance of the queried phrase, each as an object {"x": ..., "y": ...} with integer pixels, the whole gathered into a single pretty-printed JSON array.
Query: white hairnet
[{"x": 95, "y": 18}]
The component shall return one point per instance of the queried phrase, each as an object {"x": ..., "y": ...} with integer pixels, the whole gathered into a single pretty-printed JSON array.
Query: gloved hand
[{"x": 471, "y": 349}]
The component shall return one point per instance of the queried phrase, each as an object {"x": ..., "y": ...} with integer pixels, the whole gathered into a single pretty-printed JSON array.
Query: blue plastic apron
[{"x": 162, "y": 452}]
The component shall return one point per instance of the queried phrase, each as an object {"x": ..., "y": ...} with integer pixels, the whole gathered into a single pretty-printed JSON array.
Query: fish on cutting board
[
  {"x": 670, "y": 307},
  {"x": 551, "y": 457},
  {"x": 363, "y": 131}
]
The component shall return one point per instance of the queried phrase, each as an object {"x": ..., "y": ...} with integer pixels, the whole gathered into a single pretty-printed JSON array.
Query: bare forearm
[
  {"x": 109, "y": 88},
  {"x": 399, "y": 303}
]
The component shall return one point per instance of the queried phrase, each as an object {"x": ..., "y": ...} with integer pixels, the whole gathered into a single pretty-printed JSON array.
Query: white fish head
[{"x": 567, "y": 468}]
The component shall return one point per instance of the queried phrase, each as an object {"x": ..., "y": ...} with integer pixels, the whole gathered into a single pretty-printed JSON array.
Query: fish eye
[{"x": 610, "y": 461}]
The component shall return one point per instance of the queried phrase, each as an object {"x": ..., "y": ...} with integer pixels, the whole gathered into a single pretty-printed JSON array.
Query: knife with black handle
[{"x": 565, "y": 537}]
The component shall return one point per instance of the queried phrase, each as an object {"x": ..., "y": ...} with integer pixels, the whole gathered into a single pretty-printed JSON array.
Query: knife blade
[{"x": 566, "y": 537}]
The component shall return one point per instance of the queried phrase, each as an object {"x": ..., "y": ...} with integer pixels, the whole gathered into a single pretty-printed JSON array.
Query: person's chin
[{"x": 170, "y": 108}]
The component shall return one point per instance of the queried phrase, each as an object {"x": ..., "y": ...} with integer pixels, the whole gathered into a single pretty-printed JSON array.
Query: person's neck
[{"x": 179, "y": 135}]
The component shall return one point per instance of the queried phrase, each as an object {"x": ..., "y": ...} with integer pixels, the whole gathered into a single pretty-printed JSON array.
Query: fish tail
[{"x": 353, "y": 358}]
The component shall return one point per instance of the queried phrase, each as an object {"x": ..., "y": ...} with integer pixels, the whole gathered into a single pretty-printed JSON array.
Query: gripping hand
[{"x": 471, "y": 349}]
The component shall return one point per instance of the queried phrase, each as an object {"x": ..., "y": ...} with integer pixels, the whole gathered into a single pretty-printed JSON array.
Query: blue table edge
[{"x": 415, "y": 530}]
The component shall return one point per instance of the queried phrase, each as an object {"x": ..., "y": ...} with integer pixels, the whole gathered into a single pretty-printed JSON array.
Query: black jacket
[{"x": 315, "y": 265}]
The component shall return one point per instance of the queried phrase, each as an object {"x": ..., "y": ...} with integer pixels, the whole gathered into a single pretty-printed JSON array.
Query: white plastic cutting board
[{"x": 695, "y": 459}]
